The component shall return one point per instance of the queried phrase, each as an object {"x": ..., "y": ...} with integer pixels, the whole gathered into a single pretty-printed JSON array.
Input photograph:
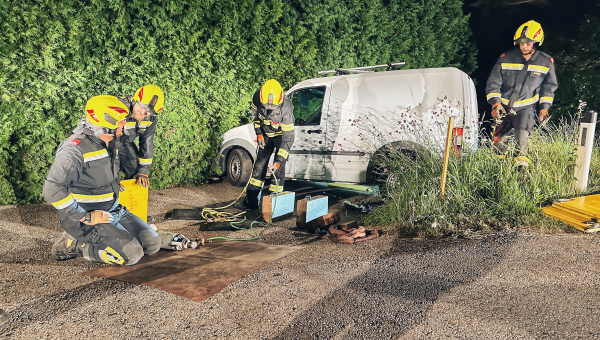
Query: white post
[{"x": 584, "y": 149}]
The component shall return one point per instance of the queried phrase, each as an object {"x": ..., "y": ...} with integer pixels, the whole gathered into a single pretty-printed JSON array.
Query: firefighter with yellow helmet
[
  {"x": 83, "y": 185},
  {"x": 144, "y": 107},
  {"x": 274, "y": 126},
  {"x": 521, "y": 79}
]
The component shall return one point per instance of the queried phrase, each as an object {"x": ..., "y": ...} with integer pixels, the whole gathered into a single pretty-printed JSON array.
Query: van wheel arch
[{"x": 411, "y": 149}]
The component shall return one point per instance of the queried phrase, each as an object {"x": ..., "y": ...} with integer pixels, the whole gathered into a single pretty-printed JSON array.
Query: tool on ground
[
  {"x": 178, "y": 242},
  {"x": 345, "y": 234},
  {"x": 311, "y": 208},
  {"x": 284, "y": 207},
  {"x": 584, "y": 149}
]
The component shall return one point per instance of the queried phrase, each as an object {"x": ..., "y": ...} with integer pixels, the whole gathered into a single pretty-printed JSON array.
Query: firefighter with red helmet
[{"x": 521, "y": 79}]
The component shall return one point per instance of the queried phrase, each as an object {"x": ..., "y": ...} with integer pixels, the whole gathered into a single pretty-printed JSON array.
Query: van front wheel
[{"x": 239, "y": 167}]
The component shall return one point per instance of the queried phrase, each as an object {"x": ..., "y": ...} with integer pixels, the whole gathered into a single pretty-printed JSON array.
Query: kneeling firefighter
[
  {"x": 274, "y": 126},
  {"x": 521, "y": 78},
  {"x": 83, "y": 185}
]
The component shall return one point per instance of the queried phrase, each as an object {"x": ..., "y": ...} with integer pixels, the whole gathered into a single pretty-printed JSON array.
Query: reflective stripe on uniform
[
  {"x": 548, "y": 100},
  {"x": 93, "y": 198},
  {"x": 109, "y": 255},
  {"x": 92, "y": 156},
  {"x": 287, "y": 127},
  {"x": 65, "y": 202},
  {"x": 504, "y": 101},
  {"x": 130, "y": 125},
  {"x": 256, "y": 182},
  {"x": 493, "y": 95},
  {"x": 275, "y": 188},
  {"x": 283, "y": 153},
  {"x": 538, "y": 68},
  {"x": 274, "y": 134},
  {"x": 507, "y": 66},
  {"x": 145, "y": 124},
  {"x": 267, "y": 122},
  {"x": 256, "y": 124},
  {"x": 145, "y": 161},
  {"x": 526, "y": 102}
]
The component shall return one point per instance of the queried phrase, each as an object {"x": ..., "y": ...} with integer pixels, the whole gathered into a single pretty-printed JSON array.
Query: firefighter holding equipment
[
  {"x": 144, "y": 107},
  {"x": 274, "y": 126},
  {"x": 83, "y": 185},
  {"x": 520, "y": 79}
]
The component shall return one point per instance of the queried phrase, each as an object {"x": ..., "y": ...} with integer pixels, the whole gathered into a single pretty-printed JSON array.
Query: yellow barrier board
[
  {"x": 580, "y": 212},
  {"x": 135, "y": 198}
]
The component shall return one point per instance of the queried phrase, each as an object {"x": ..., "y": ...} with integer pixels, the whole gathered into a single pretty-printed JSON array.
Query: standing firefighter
[
  {"x": 520, "y": 79},
  {"x": 141, "y": 122},
  {"x": 83, "y": 185},
  {"x": 274, "y": 126}
]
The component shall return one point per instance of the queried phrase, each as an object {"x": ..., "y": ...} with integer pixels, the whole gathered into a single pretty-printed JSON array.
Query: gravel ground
[{"x": 510, "y": 285}]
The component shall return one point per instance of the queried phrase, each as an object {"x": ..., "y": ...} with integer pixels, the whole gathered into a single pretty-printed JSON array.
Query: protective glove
[
  {"x": 97, "y": 217},
  {"x": 122, "y": 188},
  {"x": 261, "y": 141},
  {"x": 497, "y": 110},
  {"x": 544, "y": 117},
  {"x": 141, "y": 179},
  {"x": 274, "y": 167}
]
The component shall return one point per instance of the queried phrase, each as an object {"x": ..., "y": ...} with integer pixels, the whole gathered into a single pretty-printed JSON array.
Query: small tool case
[
  {"x": 278, "y": 207},
  {"x": 311, "y": 208}
]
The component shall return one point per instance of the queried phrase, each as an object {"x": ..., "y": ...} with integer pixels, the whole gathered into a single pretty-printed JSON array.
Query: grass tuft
[{"x": 482, "y": 190}]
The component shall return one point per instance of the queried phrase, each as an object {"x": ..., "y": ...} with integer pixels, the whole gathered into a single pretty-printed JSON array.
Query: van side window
[{"x": 307, "y": 105}]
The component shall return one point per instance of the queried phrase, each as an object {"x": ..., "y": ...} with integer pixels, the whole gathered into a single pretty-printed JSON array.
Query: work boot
[
  {"x": 522, "y": 161},
  {"x": 65, "y": 248}
]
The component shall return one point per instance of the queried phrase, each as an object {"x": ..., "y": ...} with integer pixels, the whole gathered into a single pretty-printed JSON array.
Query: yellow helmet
[
  {"x": 150, "y": 97},
  {"x": 105, "y": 111},
  {"x": 271, "y": 94},
  {"x": 529, "y": 31}
]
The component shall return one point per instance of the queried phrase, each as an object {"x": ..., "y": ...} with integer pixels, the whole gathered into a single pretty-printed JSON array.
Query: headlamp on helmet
[
  {"x": 271, "y": 94},
  {"x": 105, "y": 111}
]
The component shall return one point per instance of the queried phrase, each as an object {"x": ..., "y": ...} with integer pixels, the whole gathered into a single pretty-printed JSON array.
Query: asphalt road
[{"x": 509, "y": 285}]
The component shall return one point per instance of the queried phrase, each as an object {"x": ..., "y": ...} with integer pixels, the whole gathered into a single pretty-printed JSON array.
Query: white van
[{"x": 341, "y": 121}]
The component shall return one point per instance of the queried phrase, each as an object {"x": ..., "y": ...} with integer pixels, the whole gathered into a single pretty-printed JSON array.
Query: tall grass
[{"x": 481, "y": 188}]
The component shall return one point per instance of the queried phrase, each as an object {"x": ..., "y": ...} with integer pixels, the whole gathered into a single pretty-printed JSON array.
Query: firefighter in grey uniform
[
  {"x": 141, "y": 122},
  {"x": 274, "y": 127},
  {"x": 83, "y": 185},
  {"x": 521, "y": 79}
]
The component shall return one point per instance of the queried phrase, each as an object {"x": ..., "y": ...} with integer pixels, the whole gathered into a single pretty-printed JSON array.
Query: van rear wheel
[{"x": 239, "y": 167}]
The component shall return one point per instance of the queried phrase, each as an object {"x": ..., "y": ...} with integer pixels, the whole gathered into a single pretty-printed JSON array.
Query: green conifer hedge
[{"x": 208, "y": 56}]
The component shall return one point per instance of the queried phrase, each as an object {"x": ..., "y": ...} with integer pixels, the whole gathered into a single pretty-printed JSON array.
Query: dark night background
[{"x": 570, "y": 29}]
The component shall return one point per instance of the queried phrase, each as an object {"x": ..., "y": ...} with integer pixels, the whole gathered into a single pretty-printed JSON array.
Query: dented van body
[{"x": 342, "y": 121}]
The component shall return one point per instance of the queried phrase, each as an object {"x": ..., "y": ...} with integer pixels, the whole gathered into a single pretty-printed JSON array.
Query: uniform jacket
[
  {"x": 83, "y": 177},
  {"x": 145, "y": 130},
  {"x": 516, "y": 82},
  {"x": 274, "y": 123}
]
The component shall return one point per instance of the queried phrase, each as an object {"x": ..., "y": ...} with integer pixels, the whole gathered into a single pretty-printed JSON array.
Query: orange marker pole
[{"x": 446, "y": 156}]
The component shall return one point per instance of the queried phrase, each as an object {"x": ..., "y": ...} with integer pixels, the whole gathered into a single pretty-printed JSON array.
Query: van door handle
[{"x": 314, "y": 131}]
